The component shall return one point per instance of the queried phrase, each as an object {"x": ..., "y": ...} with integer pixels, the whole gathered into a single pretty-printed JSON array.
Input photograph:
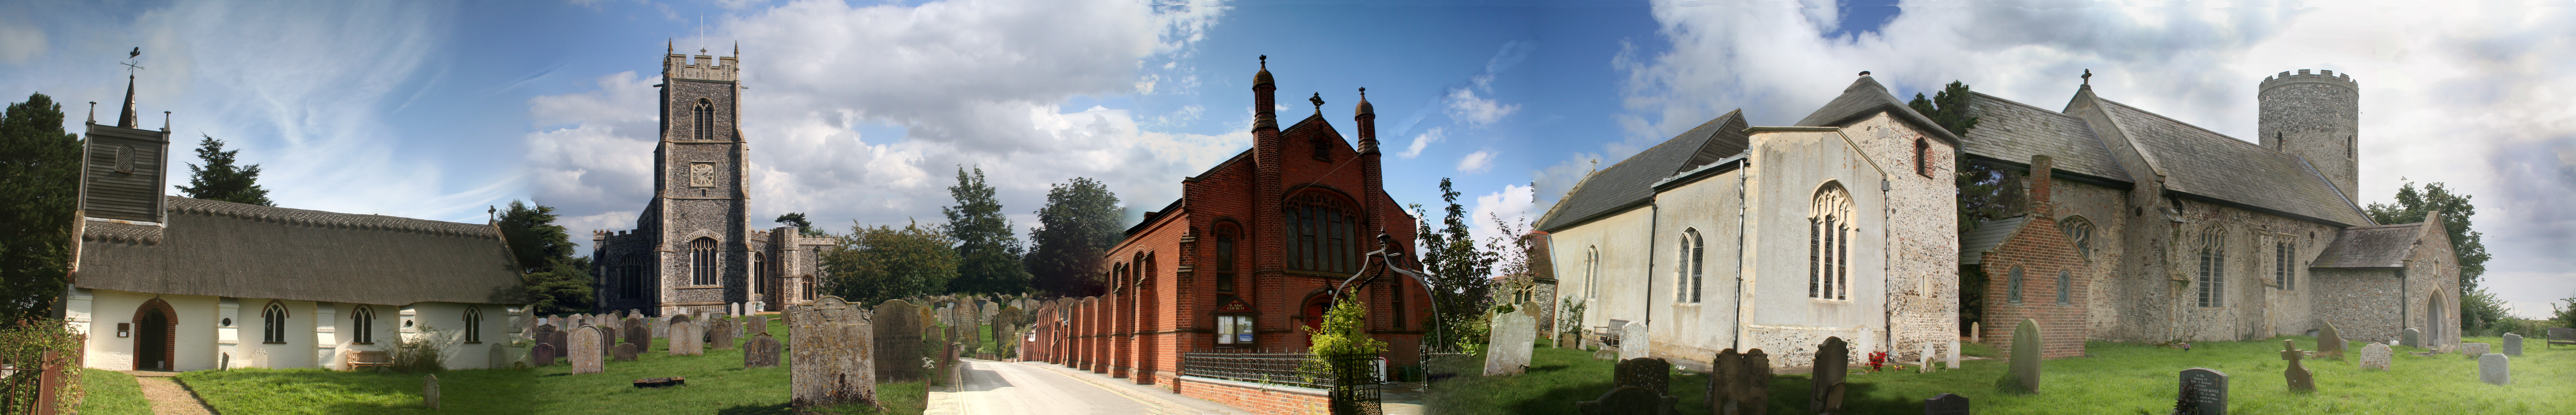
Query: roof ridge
[
  {"x": 325, "y": 219},
  {"x": 2193, "y": 126}
]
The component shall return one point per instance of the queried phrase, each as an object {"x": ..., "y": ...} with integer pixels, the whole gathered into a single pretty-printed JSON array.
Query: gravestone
[
  {"x": 834, "y": 359},
  {"x": 2512, "y": 344},
  {"x": 1509, "y": 350},
  {"x": 2473, "y": 350},
  {"x": 722, "y": 337},
  {"x": 545, "y": 334},
  {"x": 686, "y": 339},
  {"x": 1952, "y": 355},
  {"x": 1923, "y": 360},
  {"x": 2376, "y": 356},
  {"x": 1833, "y": 362},
  {"x": 1651, "y": 373},
  {"x": 2203, "y": 391},
  {"x": 898, "y": 326},
  {"x": 543, "y": 356},
  {"x": 2024, "y": 374},
  {"x": 258, "y": 359},
  {"x": 2412, "y": 338},
  {"x": 759, "y": 325},
  {"x": 2494, "y": 368},
  {"x": 661, "y": 327},
  {"x": 2330, "y": 344},
  {"x": 637, "y": 332},
  {"x": 2301, "y": 381},
  {"x": 1632, "y": 341},
  {"x": 625, "y": 352},
  {"x": 760, "y": 351},
  {"x": 584, "y": 351},
  {"x": 1739, "y": 383},
  {"x": 607, "y": 337},
  {"x": 1626, "y": 400},
  {"x": 1946, "y": 404},
  {"x": 429, "y": 391}
]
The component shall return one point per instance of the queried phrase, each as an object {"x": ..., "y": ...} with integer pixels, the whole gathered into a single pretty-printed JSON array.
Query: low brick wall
[{"x": 1258, "y": 398}]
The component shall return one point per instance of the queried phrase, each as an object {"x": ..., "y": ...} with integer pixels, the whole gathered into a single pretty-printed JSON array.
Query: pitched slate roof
[
  {"x": 238, "y": 250},
  {"x": 2205, "y": 163},
  {"x": 2377, "y": 246},
  {"x": 1865, "y": 97},
  {"x": 2013, "y": 132},
  {"x": 1973, "y": 246},
  {"x": 1632, "y": 180}
]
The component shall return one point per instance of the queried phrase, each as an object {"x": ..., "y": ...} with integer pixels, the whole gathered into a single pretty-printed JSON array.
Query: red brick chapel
[{"x": 1241, "y": 263}]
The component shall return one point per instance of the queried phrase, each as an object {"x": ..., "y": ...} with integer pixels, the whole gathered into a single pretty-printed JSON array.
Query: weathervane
[{"x": 130, "y": 56}]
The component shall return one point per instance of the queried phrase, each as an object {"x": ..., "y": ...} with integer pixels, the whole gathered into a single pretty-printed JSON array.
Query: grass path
[
  {"x": 112, "y": 393},
  {"x": 2120, "y": 378}
]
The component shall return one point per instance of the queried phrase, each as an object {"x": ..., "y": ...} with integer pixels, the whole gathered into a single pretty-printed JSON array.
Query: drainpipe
[
  {"x": 1654, "y": 216},
  {"x": 1743, "y": 167},
  {"x": 2403, "y": 319}
]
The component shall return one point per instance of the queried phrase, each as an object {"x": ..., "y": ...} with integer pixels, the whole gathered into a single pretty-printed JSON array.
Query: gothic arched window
[
  {"x": 2282, "y": 274},
  {"x": 2213, "y": 268},
  {"x": 2080, "y": 232},
  {"x": 2012, "y": 286},
  {"x": 1829, "y": 232},
  {"x": 1686, "y": 274},
  {"x": 1321, "y": 239},
  {"x": 634, "y": 277},
  {"x": 1923, "y": 157},
  {"x": 473, "y": 324},
  {"x": 362, "y": 325},
  {"x": 759, "y": 274},
  {"x": 273, "y": 323},
  {"x": 702, "y": 261},
  {"x": 1591, "y": 271},
  {"x": 2065, "y": 285},
  {"x": 1225, "y": 259},
  {"x": 705, "y": 117}
]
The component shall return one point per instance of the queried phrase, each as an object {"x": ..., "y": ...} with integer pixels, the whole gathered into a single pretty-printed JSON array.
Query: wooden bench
[
  {"x": 378, "y": 360},
  {"x": 2561, "y": 335}
]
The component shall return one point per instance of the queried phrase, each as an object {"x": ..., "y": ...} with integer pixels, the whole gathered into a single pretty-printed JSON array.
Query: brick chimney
[{"x": 2040, "y": 167}]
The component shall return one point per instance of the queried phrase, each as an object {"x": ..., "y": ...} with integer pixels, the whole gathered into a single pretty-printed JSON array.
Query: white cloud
[
  {"x": 865, "y": 112},
  {"x": 1511, "y": 204},
  {"x": 1421, "y": 141},
  {"x": 2486, "y": 76},
  {"x": 1474, "y": 111},
  {"x": 1477, "y": 162}
]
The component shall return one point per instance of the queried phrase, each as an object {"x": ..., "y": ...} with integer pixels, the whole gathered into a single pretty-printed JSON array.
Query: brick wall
[
  {"x": 1260, "y": 399},
  {"x": 2040, "y": 250}
]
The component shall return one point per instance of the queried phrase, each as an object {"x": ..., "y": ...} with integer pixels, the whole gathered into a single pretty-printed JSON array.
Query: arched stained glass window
[
  {"x": 1829, "y": 232},
  {"x": 1320, "y": 238},
  {"x": 702, "y": 261},
  {"x": 273, "y": 323},
  {"x": 1686, "y": 273}
]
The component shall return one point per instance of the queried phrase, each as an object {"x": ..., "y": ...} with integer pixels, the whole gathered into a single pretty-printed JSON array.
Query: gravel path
[{"x": 168, "y": 398}]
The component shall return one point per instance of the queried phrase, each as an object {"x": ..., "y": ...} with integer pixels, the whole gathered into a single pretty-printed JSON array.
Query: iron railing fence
[
  {"x": 1268, "y": 368},
  {"x": 1355, "y": 384}
]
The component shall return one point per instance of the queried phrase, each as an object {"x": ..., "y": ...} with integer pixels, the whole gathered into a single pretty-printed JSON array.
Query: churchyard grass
[
  {"x": 717, "y": 383},
  {"x": 112, "y": 393},
  {"x": 2120, "y": 378}
]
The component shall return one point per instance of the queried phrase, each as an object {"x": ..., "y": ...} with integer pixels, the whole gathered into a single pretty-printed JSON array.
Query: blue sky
[{"x": 860, "y": 111}]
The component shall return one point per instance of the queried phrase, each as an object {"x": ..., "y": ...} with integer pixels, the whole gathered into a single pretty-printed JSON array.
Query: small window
[
  {"x": 705, "y": 116},
  {"x": 473, "y": 324},
  {"x": 273, "y": 323},
  {"x": 2213, "y": 269},
  {"x": 702, "y": 261},
  {"x": 2065, "y": 285},
  {"x": 1687, "y": 273},
  {"x": 1923, "y": 157},
  {"x": 362, "y": 325},
  {"x": 2012, "y": 286},
  {"x": 809, "y": 287},
  {"x": 1591, "y": 271}
]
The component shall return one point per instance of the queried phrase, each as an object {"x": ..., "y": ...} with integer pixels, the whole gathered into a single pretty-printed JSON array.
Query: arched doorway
[
  {"x": 155, "y": 337},
  {"x": 2434, "y": 328}
]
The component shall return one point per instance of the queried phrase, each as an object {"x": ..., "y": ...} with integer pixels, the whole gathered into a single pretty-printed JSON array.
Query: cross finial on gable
[{"x": 1318, "y": 99}]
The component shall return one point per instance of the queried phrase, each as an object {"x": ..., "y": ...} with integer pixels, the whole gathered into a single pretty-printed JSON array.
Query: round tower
[{"x": 2316, "y": 117}]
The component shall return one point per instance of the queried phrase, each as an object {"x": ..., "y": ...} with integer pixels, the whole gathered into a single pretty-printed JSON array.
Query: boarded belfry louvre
[{"x": 173, "y": 283}]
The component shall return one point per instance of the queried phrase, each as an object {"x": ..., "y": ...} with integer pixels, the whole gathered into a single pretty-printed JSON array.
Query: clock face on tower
[{"x": 702, "y": 174}]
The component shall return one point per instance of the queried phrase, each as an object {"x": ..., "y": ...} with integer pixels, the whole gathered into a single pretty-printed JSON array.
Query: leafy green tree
[
  {"x": 1342, "y": 337},
  {"x": 1080, "y": 222},
  {"x": 802, "y": 227},
  {"x": 557, "y": 281},
  {"x": 40, "y": 173},
  {"x": 220, "y": 180},
  {"x": 2479, "y": 310},
  {"x": 1987, "y": 191},
  {"x": 880, "y": 263},
  {"x": 1462, "y": 274},
  {"x": 988, "y": 251},
  {"x": 2566, "y": 316}
]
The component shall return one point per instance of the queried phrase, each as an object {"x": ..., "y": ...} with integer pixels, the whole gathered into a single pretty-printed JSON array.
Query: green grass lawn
[
  {"x": 112, "y": 393},
  {"x": 2120, "y": 378},
  {"x": 717, "y": 383}
]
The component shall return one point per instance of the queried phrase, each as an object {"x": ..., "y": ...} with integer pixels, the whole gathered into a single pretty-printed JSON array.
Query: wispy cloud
[
  {"x": 1477, "y": 162},
  {"x": 1421, "y": 141}
]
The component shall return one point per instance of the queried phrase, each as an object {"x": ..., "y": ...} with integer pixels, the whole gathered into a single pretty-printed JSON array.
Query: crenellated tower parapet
[
  {"x": 701, "y": 67},
  {"x": 2317, "y": 118}
]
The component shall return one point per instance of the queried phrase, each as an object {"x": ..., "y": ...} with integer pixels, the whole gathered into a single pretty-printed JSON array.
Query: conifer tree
[
  {"x": 988, "y": 251},
  {"x": 40, "y": 174},
  {"x": 1081, "y": 221},
  {"x": 557, "y": 281},
  {"x": 220, "y": 180}
]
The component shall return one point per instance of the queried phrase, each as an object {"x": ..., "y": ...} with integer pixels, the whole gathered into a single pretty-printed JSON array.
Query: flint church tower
[{"x": 694, "y": 248}]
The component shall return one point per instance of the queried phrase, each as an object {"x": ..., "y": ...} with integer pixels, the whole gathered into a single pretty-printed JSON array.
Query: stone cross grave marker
[
  {"x": 585, "y": 350},
  {"x": 2473, "y": 350},
  {"x": 2204, "y": 391},
  {"x": 1625, "y": 400},
  {"x": 2412, "y": 338},
  {"x": 637, "y": 332},
  {"x": 544, "y": 355},
  {"x": 1923, "y": 359},
  {"x": 687, "y": 339},
  {"x": 2376, "y": 356},
  {"x": 834, "y": 356},
  {"x": 760, "y": 351},
  {"x": 1651, "y": 373},
  {"x": 2301, "y": 380},
  {"x": 1632, "y": 341},
  {"x": 2512, "y": 344},
  {"x": 1951, "y": 357},
  {"x": 1833, "y": 362},
  {"x": 722, "y": 337},
  {"x": 2024, "y": 373},
  {"x": 1739, "y": 383},
  {"x": 1946, "y": 404},
  {"x": 625, "y": 352},
  {"x": 898, "y": 341},
  {"x": 429, "y": 391},
  {"x": 1509, "y": 350},
  {"x": 2494, "y": 368},
  {"x": 2330, "y": 344}
]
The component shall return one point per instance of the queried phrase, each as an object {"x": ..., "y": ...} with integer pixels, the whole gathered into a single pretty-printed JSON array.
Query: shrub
[
  {"x": 420, "y": 353},
  {"x": 24, "y": 345}
]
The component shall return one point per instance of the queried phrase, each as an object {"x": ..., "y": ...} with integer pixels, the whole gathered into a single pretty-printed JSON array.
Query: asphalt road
[{"x": 998, "y": 388}]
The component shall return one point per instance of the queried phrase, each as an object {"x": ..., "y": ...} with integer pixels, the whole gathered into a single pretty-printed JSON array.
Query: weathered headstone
[
  {"x": 607, "y": 337},
  {"x": 1632, "y": 341},
  {"x": 2494, "y": 368},
  {"x": 636, "y": 331},
  {"x": 2512, "y": 344},
  {"x": 898, "y": 326},
  {"x": 1739, "y": 384},
  {"x": 1626, "y": 400},
  {"x": 2412, "y": 338},
  {"x": 722, "y": 337},
  {"x": 686, "y": 339},
  {"x": 544, "y": 355},
  {"x": 1923, "y": 360},
  {"x": 1946, "y": 404},
  {"x": 2204, "y": 392},
  {"x": 1651, "y": 373},
  {"x": 2473, "y": 350},
  {"x": 834, "y": 363},
  {"x": 545, "y": 334},
  {"x": 1833, "y": 362},
  {"x": 759, "y": 325},
  {"x": 760, "y": 351},
  {"x": 1951, "y": 357},
  {"x": 2330, "y": 344},
  {"x": 1509, "y": 350},
  {"x": 625, "y": 352},
  {"x": 2023, "y": 376},
  {"x": 2301, "y": 381},
  {"x": 584, "y": 351},
  {"x": 429, "y": 391},
  {"x": 661, "y": 326},
  {"x": 2376, "y": 356}
]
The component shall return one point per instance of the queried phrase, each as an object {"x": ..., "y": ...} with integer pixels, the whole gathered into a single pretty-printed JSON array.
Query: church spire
[{"x": 127, "y": 119}]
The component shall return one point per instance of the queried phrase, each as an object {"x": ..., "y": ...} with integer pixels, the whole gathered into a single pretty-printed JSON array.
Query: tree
[
  {"x": 879, "y": 263},
  {"x": 802, "y": 227},
  {"x": 2565, "y": 316},
  {"x": 40, "y": 173},
  {"x": 1987, "y": 191},
  {"x": 988, "y": 251},
  {"x": 557, "y": 281},
  {"x": 220, "y": 180},
  {"x": 2478, "y": 309},
  {"x": 1080, "y": 222},
  {"x": 1461, "y": 275}
]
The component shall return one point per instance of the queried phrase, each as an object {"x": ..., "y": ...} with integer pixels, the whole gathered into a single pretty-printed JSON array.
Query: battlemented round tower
[{"x": 2316, "y": 117}]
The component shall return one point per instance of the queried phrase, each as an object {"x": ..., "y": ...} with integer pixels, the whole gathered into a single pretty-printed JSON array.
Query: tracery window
[
  {"x": 362, "y": 325},
  {"x": 1686, "y": 274},
  {"x": 2080, "y": 232},
  {"x": 2012, "y": 286},
  {"x": 702, "y": 261},
  {"x": 705, "y": 116},
  {"x": 1322, "y": 237},
  {"x": 2282, "y": 274},
  {"x": 2213, "y": 269},
  {"x": 473, "y": 324},
  {"x": 1829, "y": 231},
  {"x": 273, "y": 323}
]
